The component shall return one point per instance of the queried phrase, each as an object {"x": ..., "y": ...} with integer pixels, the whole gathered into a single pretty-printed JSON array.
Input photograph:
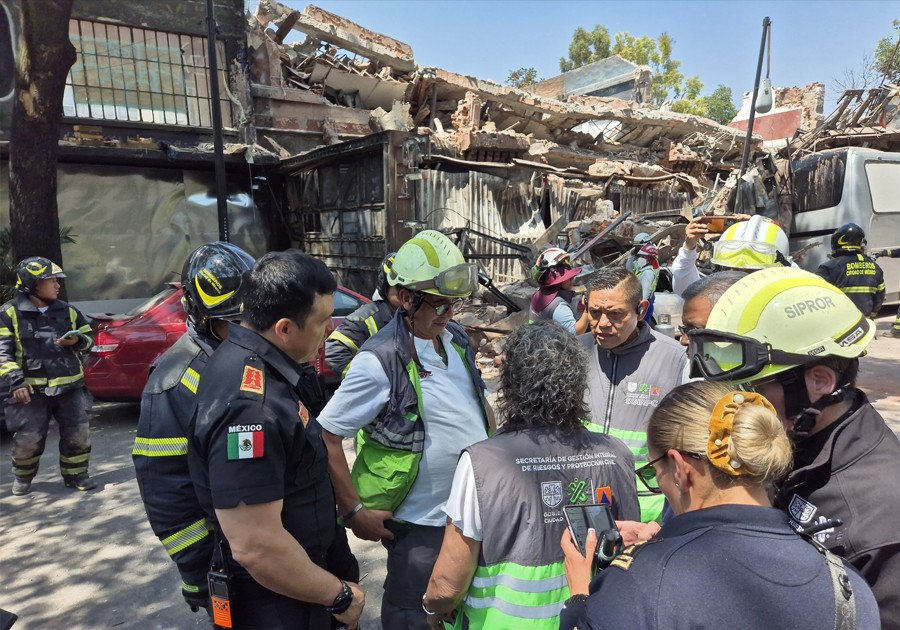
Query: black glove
[{"x": 198, "y": 599}]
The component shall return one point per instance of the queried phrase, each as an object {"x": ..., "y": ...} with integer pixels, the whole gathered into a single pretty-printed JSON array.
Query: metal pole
[
  {"x": 762, "y": 48},
  {"x": 215, "y": 107}
]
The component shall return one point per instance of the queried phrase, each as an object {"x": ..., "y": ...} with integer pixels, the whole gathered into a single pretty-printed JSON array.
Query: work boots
[
  {"x": 21, "y": 486},
  {"x": 81, "y": 481}
]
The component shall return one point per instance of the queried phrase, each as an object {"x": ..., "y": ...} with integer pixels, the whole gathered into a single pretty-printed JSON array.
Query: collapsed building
[
  {"x": 507, "y": 168},
  {"x": 339, "y": 143}
]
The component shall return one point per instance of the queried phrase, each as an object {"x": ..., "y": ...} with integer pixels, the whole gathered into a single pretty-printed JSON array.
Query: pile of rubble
[{"x": 349, "y": 66}]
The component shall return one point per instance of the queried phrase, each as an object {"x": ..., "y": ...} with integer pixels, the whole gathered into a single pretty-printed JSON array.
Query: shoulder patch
[
  {"x": 246, "y": 441},
  {"x": 252, "y": 380},
  {"x": 623, "y": 560}
]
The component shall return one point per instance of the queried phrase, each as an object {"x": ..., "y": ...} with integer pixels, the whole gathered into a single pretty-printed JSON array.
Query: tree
[
  {"x": 586, "y": 48},
  {"x": 668, "y": 82},
  {"x": 861, "y": 77},
  {"x": 720, "y": 105},
  {"x": 45, "y": 55},
  {"x": 887, "y": 56},
  {"x": 522, "y": 77}
]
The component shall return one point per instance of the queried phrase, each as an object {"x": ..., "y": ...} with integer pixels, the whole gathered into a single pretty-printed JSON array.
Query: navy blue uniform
[
  {"x": 858, "y": 277},
  {"x": 731, "y": 566},
  {"x": 839, "y": 473},
  {"x": 161, "y": 462},
  {"x": 254, "y": 440},
  {"x": 346, "y": 340}
]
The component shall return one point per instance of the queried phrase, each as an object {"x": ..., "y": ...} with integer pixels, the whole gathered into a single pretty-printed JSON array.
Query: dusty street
[{"x": 90, "y": 560}]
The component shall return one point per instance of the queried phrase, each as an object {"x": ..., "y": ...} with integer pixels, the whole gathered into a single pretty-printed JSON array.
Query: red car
[{"x": 126, "y": 345}]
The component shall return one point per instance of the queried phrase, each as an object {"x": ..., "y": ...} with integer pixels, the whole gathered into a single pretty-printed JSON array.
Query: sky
[{"x": 716, "y": 40}]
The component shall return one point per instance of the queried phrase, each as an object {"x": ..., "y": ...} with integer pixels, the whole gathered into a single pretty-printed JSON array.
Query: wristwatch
[
  {"x": 342, "y": 602},
  {"x": 576, "y": 600}
]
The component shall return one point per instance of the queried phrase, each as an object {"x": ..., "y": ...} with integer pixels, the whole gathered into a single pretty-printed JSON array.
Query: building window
[{"x": 141, "y": 75}]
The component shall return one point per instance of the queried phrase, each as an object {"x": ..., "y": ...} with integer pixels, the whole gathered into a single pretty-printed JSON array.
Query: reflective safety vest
[
  {"x": 625, "y": 385},
  {"x": 360, "y": 325},
  {"x": 389, "y": 449},
  {"x": 29, "y": 354},
  {"x": 524, "y": 479}
]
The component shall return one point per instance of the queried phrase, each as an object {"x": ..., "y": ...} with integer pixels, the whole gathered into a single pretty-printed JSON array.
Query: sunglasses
[
  {"x": 647, "y": 473},
  {"x": 443, "y": 307}
]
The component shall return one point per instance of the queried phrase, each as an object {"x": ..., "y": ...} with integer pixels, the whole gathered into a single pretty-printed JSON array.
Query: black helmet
[
  {"x": 212, "y": 280},
  {"x": 848, "y": 237},
  {"x": 33, "y": 269},
  {"x": 383, "y": 270}
]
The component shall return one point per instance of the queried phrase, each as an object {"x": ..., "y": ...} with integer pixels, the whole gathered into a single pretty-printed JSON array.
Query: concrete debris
[{"x": 397, "y": 118}]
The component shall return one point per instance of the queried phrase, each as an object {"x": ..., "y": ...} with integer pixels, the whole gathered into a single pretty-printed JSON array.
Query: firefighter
[
  {"x": 40, "y": 341},
  {"x": 212, "y": 281},
  {"x": 346, "y": 340},
  {"x": 851, "y": 271}
]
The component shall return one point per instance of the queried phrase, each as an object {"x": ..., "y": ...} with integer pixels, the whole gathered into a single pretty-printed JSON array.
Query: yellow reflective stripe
[
  {"x": 160, "y": 447},
  {"x": 66, "y": 380},
  {"x": 73, "y": 316},
  {"x": 35, "y": 380},
  {"x": 8, "y": 367},
  {"x": 186, "y": 537},
  {"x": 750, "y": 317},
  {"x": 191, "y": 379},
  {"x": 84, "y": 330},
  {"x": 5, "y": 332},
  {"x": 370, "y": 324},
  {"x": 190, "y": 588},
  {"x": 20, "y": 354},
  {"x": 861, "y": 289},
  {"x": 344, "y": 372},
  {"x": 74, "y": 459},
  {"x": 74, "y": 471},
  {"x": 26, "y": 462},
  {"x": 344, "y": 339}
]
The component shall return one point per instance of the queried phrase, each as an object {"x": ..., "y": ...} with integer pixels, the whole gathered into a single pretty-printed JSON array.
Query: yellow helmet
[
  {"x": 774, "y": 320},
  {"x": 755, "y": 244},
  {"x": 429, "y": 262}
]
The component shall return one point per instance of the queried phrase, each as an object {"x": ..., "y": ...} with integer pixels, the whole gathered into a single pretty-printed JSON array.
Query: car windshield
[{"x": 152, "y": 302}]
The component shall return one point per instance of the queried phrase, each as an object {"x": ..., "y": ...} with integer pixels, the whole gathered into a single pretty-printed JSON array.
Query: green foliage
[
  {"x": 719, "y": 105},
  {"x": 8, "y": 265},
  {"x": 884, "y": 49},
  {"x": 522, "y": 77},
  {"x": 586, "y": 48},
  {"x": 669, "y": 83}
]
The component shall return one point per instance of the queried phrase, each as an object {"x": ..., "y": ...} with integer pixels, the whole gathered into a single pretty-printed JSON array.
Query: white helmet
[{"x": 755, "y": 244}]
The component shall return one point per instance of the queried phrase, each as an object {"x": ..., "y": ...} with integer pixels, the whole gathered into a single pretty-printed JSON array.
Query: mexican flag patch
[{"x": 245, "y": 441}]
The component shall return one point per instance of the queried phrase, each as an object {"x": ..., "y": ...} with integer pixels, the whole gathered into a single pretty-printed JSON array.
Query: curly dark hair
[{"x": 543, "y": 379}]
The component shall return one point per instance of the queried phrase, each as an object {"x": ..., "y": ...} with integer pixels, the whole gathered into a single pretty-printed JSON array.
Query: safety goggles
[
  {"x": 745, "y": 254},
  {"x": 721, "y": 356},
  {"x": 647, "y": 473},
  {"x": 458, "y": 281},
  {"x": 442, "y": 308}
]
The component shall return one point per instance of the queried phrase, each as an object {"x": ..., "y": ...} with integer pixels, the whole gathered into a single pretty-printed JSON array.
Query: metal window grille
[{"x": 141, "y": 75}]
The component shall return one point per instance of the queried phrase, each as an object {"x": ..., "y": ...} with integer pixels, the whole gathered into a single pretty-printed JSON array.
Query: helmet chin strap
[{"x": 798, "y": 407}]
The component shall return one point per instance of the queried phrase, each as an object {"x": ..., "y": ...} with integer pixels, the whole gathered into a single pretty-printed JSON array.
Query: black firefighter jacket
[
  {"x": 858, "y": 276},
  {"x": 29, "y": 354},
  {"x": 854, "y": 478}
]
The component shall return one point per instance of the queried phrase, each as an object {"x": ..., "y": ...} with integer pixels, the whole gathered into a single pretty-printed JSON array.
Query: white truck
[{"x": 848, "y": 185}]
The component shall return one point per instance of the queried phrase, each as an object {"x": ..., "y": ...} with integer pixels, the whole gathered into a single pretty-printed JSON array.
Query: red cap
[{"x": 558, "y": 275}]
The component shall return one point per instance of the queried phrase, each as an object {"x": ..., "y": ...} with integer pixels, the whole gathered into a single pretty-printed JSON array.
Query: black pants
[
  {"x": 258, "y": 608},
  {"x": 411, "y": 559},
  {"x": 31, "y": 422}
]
